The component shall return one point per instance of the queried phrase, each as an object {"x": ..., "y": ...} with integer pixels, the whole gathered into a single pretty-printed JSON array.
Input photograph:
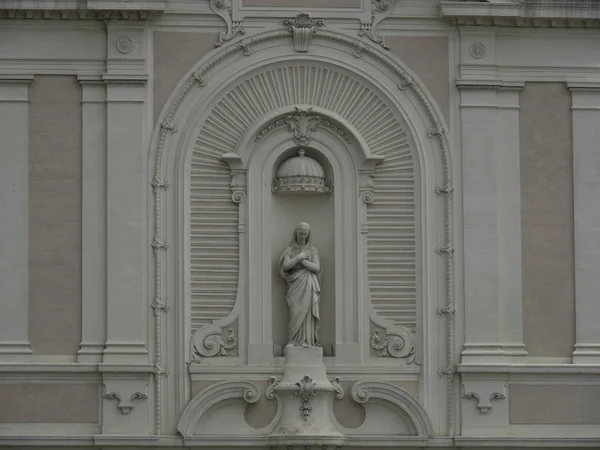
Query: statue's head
[{"x": 302, "y": 233}]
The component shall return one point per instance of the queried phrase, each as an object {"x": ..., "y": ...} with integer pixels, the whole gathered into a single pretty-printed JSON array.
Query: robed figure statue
[{"x": 300, "y": 267}]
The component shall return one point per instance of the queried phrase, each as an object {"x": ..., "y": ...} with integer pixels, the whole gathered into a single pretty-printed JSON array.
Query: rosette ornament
[{"x": 301, "y": 174}]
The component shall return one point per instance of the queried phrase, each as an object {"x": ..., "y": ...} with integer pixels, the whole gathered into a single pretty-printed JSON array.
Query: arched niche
[
  {"x": 333, "y": 220},
  {"x": 286, "y": 211},
  {"x": 192, "y": 108}
]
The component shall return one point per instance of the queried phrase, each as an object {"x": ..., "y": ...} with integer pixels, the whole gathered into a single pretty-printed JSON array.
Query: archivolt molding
[
  {"x": 363, "y": 391},
  {"x": 407, "y": 83}
]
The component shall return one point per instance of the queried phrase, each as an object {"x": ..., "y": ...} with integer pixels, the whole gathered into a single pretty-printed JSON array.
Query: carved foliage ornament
[{"x": 303, "y": 27}]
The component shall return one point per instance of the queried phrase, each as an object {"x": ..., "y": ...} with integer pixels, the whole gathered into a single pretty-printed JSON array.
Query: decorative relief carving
[
  {"x": 244, "y": 45},
  {"x": 208, "y": 342},
  {"x": 159, "y": 184},
  {"x": 158, "y": 245},
  {"x": 303, "y": 27},
  {"x": 300, "y": 174},
  {"x": 124, "y": 44},
  {"x": 447, "y": 189},
  {"x": 305, "y": 389},
  {"x": 125, "y": 406},
  {"x": 407, "y": 82},
  {"x": 444, "y": 249},
  {"x": 477, "y": 50},
  {"x": 302, "y": 122},
  {"x": 398, "y": 343},
  {"x": 223, "y": 9},
  {"x": 380, "y": 9}
]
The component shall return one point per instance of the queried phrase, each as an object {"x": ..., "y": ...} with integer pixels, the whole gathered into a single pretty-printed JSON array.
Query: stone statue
[{"x": 300, "y": 267}]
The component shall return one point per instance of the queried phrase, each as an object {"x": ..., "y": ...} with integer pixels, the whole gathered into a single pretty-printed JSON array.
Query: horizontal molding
[
  {"x": 542, "y": 369},
  {"x": 529, "y": 442},
  {"x": 176, "y": 442}
]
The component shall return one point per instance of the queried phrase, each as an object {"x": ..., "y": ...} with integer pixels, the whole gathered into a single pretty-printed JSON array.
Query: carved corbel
[
  {"x": 223, "y": 9},
  {"x": 303, "y": 27},
  {"x": 483, "y": 391},
  {"x": 380, "y": 9},
  {"x": 238, "y": 176},
  {"x": 125, "y": 406},
  {"x": 365, "y": 178}
]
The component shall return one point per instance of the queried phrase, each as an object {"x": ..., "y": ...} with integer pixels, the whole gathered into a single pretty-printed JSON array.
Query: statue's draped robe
[{"x": 302, "y": 296}]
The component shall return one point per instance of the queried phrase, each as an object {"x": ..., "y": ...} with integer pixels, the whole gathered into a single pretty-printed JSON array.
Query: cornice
[
  {"x": 141, "y": 10},
  {"x": 16, "y": 78},
  {"x": 582, "y": 86},
  {"x": 518, "y": 13}
]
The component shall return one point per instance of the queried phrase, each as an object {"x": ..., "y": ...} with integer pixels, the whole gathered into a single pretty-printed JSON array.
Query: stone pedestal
[{"x": 306, "y": 395}]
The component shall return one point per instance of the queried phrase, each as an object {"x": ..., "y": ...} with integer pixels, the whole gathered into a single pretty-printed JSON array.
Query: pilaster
[
  {"x": 14, "y": 230},
  {"x": 93, "y": 233},
  {"x": 492, "y": 221},
  {"x": 126, "y": 187},
  {"x": 586, "y": 189},
  {"x": 126, "y": 366}
]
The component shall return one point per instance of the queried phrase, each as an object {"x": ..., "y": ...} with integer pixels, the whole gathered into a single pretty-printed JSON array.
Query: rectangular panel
[
  {"x": 547, "y": 219},
  {"x": 55, "y": 215},
  {"x": 554, "y": 404},
  {"x": 49, "y": 402}
]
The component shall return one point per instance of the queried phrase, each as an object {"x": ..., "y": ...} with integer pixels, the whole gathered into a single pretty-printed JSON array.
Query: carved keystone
[{"x": 303, "y": 28}]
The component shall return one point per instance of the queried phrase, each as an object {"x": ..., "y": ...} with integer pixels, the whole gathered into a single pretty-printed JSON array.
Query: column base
[
  {"x": 493, "y": 353},
  {"x": 586, "y": 354},
  {"x": 125, "y": 352},
  {"x": 15, "y": 351},
  {"x": 90, "y": 352}
]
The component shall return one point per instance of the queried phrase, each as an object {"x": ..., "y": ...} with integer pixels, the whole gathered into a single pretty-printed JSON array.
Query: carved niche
[{"x": 219, "y": 210}]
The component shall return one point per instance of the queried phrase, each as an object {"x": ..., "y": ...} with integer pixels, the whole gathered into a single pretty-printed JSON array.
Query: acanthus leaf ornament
[
  {"x": 380, "y": 9},
  {"x": 223, "y": 9},
  {"x": 303, "y": 27}
]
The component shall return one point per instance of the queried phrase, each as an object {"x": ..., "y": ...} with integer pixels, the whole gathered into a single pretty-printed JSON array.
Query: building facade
[{"x": 158, "y": 155}]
